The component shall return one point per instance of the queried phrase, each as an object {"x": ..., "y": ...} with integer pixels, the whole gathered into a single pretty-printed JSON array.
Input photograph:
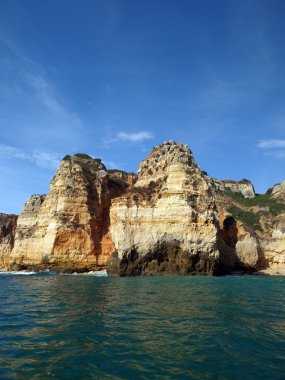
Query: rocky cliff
[
  {"x": 261, "y": 222},
  {"x": 68, "y": 229},
  {"x": 167, "y": 223},
  {"x": 8, "y": 225},
  {"x": 244, "y": 187},
  {"x": 168, "y": 219},
  {"x": 278, "y": 191}
]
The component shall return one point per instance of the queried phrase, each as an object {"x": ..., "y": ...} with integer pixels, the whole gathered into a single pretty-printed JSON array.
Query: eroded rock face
[
  {"x": 167, "y": 223},
  {"x": 274, "y": 246},
  {"x": 129, "y": 178},
  {"x": 69, "y": 228},
  {"x": 165, "y": 220},
  {"x": 241, "y": 251},
  {"x": 8, "y": 225},
  {"x": 278, "y": 191},
  {"x": 243, "y": 187}
]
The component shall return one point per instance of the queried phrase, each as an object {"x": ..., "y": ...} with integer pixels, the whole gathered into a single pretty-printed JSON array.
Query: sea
[{"x": 56, "y": 326}]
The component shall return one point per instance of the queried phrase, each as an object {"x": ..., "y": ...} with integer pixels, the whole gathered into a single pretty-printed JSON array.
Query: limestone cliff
[
  {"x": 69, "y": 227},
  {"x": 278, "y": 191},
  {"x": 243, "y": 187},
  {"x": 8, "y": 225},
  {"x": 261, "y": 227},
  {"x": 167, "y": 223},
  {"x": 167, "y": 219}
]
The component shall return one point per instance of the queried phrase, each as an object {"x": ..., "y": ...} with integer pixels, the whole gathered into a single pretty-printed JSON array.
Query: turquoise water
[{"x": 83, "y": 327}]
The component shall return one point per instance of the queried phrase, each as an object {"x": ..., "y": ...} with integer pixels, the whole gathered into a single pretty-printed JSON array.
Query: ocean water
[{"x": 86, "y": 327}]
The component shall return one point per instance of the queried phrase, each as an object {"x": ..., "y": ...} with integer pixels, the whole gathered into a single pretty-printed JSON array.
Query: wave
[
  {"x": 96, "y": 273},
  {"x": 25, "y": 272},
  {"x": 20, "y": 272},
  {"x": 99, "y": 273}
]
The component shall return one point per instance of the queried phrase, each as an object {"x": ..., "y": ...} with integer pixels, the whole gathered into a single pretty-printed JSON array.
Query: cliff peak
[{"x": 158, "y": 163}]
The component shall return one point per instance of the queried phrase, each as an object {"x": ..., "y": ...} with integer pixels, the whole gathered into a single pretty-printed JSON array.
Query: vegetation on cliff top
[
  {"x": 249, "y": 210},
  {"x": 247, "y": 217},
  {"x": 260, "y": 200},
  {"x": 83, "y": 155}
]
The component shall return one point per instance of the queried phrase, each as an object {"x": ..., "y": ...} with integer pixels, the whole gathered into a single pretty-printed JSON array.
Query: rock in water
[{"x": 167, "y": 224}]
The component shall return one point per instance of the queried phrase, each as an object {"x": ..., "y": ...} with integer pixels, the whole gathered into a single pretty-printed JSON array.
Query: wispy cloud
[
  {"x": 271, "y": 143},
  {"x": 44, "y": 92},
  {"x": 273, "y": 147},
  {"x": 134, "y": 137},
  {"x": 29, "y": 97},
  {"x": 43, "y": 159},
  {"x": 130, "y": 138},
  {"x": 276, "y": 154}
]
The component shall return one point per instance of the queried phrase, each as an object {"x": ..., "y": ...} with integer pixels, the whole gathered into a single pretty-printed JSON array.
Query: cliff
[
  {"x": 244, "y": 187},
  {"x": 167, "y": 223},
  {"x": 261, "y": 227},
  {"x": 68, "y": 229},
  {"x": 8, "y": 225},
  {"x": 278, "y": 191},
  {"x": 168, "y": 219}
]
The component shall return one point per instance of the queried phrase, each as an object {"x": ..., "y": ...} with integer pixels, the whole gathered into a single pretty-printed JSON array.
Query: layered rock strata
[
  {"x": 69, "y": 227},
  {"x": 168, "y": 219},
  {"x": 274, "y": 245},
  {"x": 167, "y": 223}
]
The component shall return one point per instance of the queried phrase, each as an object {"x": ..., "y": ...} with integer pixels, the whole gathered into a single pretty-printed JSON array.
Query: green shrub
[
  {"x": 66, "y": 158},
  {"x": 247, "y": 217},
  {"x": 261, "y": 200},
  {"x": 82, "y": 155}
]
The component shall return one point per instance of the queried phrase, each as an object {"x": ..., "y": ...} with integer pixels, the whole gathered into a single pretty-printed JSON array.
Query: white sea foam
[
  {"x": 96, "y": 273},
  {"x": 21, "y": 272}
]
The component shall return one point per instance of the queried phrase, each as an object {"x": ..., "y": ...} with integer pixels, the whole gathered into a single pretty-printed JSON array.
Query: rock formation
[
  {"x": 8, "y": 225},
  {"x": 243, "y": 187},
  {"x": 167, "y": 223},
  {"x": 168, "y": 219},
  {"x": 69, "y": 228},
  {"x": 278, "y": 191}
]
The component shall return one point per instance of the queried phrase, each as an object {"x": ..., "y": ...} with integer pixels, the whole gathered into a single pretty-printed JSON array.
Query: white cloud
[
  {"x": 271, "y": 143},
  {"x": 134, "y": 137},
  {"x": 272, "y": 147},
  {"x": 43, "y": 159},
  {"x": 277, "y": 153}
]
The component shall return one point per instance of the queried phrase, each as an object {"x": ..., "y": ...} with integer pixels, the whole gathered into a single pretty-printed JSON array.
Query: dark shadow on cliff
[
  {"x": 167, "y": 258},
  {"x": 227, "y": 240},
  {"x": 229, "y": 260}
]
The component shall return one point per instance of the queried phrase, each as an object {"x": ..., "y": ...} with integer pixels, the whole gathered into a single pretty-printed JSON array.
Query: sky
[{"x": 114, "y": 78}]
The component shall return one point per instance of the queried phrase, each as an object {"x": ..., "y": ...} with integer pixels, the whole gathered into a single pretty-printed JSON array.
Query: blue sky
[{"x": 114, "y": 78}]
